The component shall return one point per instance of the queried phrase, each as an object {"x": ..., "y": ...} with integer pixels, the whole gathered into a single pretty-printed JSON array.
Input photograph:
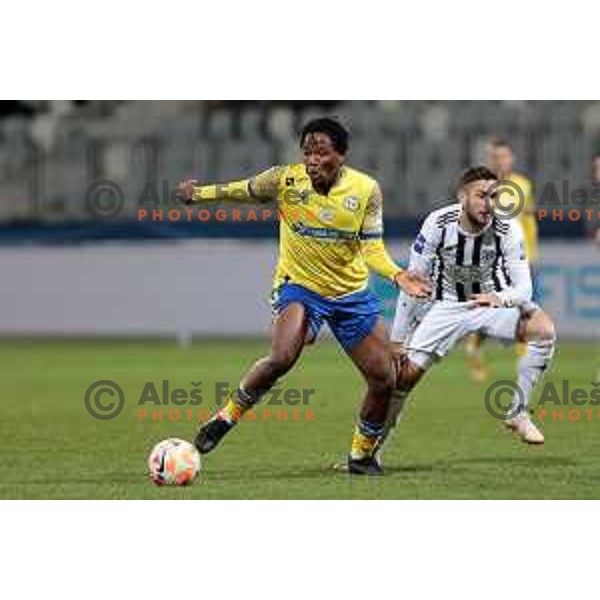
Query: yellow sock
[
  {"x": 231, "y": 411},
  {"x": 521, "y": 349},
  {"x": 238, "y": 403},
  {"x": 473, "y": 345},
  {"x": 362, "y": 445}
]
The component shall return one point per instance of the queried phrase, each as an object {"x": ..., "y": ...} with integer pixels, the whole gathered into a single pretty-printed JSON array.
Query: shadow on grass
[
  {"x": 532, "y": 461},
  {"x": 250, "y": 475}
]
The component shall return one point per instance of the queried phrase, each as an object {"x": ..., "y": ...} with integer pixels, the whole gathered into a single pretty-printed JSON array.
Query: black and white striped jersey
[{"x": 460, "y": 264}]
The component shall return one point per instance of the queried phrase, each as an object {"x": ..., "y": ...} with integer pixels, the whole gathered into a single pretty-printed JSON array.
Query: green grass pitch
[{"x": 447, "y": 447}]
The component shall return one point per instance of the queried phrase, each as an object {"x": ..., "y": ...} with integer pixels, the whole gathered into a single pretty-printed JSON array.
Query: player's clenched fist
[
  {"x": 413, "y": 284},
  {"x": 185, "y": 191}
]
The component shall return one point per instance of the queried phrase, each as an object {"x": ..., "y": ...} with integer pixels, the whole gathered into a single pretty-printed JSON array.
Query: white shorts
[{"x": 446, "y": 323}]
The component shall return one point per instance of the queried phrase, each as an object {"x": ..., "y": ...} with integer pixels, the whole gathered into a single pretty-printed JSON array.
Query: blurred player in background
[
  {"x": 331, "y": 228},
  {"x": 500, "y": 158},
  {"x": 593, "y": 199}
]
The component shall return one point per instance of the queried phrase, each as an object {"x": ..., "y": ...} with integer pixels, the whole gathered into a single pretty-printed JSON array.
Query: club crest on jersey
[
  {"x": 351, "y": 203},
  {"x": 488, "y": 255}
]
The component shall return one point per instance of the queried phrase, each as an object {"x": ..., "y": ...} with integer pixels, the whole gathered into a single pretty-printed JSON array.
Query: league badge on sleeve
[{"x": 419, "y": 245}]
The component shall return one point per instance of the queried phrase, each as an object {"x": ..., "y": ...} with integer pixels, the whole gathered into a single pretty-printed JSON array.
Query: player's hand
[
  {"x": 413, "y": 284},
  {"x": 185, "y": 191},
  {"x": 491, "y": 300}
]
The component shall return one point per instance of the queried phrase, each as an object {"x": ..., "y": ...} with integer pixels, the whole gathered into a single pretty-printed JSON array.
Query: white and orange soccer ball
[{"x": 173, "y": 462}]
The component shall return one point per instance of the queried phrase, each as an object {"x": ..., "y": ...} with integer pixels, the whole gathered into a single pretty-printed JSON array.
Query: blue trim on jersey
[
  {"x": 351, "y": 318},
  {"x": 324, "y": 233},
  {"x": 376, "y": 235}
]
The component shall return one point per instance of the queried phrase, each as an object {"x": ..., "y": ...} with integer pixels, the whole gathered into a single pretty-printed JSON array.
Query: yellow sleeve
[
  {"x": 260, "y": 188},
  {"x": 371, "y": 235},
  {"x": 529, "y": 204},
  {"x": 528, "y": 221}
]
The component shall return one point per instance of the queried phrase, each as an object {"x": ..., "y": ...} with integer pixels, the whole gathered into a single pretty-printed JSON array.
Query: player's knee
[
  {"x": 382, "y": 379},
  {"x": 407, "y": 374},
  {"x": 540, "y": 328},
  {"x": 547, "y": 331}
]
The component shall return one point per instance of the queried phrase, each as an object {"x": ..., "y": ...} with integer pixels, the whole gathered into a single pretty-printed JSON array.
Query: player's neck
[
  {"x": 468, "y": 225},
  {"x": 325, "y": 188}
]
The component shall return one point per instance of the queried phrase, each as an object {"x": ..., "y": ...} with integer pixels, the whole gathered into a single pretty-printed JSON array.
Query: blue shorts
[{"x": 351, "y": 318}]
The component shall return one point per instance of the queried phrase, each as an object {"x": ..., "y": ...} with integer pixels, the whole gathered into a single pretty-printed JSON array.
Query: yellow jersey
[
  {"x": 527, "y": 217},
  {"x": 326, "y": 243}
]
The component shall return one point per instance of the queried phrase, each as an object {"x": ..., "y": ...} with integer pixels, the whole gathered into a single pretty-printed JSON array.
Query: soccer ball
[{"x": 173, "y": 462}]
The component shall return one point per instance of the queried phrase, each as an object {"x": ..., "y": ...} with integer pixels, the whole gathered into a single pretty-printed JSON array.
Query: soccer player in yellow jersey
[
  {"x": 331, "y": 231},
  {"x": 500, "y": 158}
]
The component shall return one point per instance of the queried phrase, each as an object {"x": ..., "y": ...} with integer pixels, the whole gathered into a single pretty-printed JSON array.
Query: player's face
[
  {"x": 500, "y": 160},
  {"x": 322, "y": 161},
  {"x": 475, "y": 204}
]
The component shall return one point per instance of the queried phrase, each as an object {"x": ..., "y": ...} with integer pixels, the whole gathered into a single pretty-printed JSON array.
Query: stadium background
[
  {"x": 69, "y": 259},
  {"x": 74, "y": 267}
]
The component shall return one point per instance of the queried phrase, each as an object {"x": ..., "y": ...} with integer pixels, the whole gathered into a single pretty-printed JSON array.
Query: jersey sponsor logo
[
  {"x": 419, "y": 245},
  {"x": 324, "y": 233},
  {"x": 467, "y": 274},
  {"x": 351, "y": 203}
]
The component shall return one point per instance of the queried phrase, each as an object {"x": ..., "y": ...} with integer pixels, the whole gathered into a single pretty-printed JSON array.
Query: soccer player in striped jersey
[
  {"x": 500, "y": 158},
  {"x": 331, "y": 236},
  {"x": 482, "y": 284}
]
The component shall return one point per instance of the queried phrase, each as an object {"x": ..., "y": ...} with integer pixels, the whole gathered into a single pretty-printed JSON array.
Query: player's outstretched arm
[
  {"x": 263, "y": 187},
  {"x": 376, "y": 255}
]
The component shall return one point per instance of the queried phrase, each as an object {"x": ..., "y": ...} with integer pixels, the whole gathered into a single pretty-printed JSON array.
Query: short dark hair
[
  {"x": 500, "y": 142},
  {"x": 475, "y": 174},
  {"x": 336, "y": 132}
]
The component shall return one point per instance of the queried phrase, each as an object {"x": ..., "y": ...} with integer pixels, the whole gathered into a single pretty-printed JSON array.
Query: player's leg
[
  {"x": 532, "y": 326},
  {"x": 536, "y": 298},
  {"x": 290, "y": 331},
  {"x": 437, "y": 331},
  {"x": 473, "y": 347},
  {"x": 537, "y": 331},
  {"x": 373, "y": 357},
  {"x": 408, "y": 374}
]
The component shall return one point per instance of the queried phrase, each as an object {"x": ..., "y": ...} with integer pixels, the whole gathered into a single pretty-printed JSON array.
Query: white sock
[{"x": 530, "y": 370}]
